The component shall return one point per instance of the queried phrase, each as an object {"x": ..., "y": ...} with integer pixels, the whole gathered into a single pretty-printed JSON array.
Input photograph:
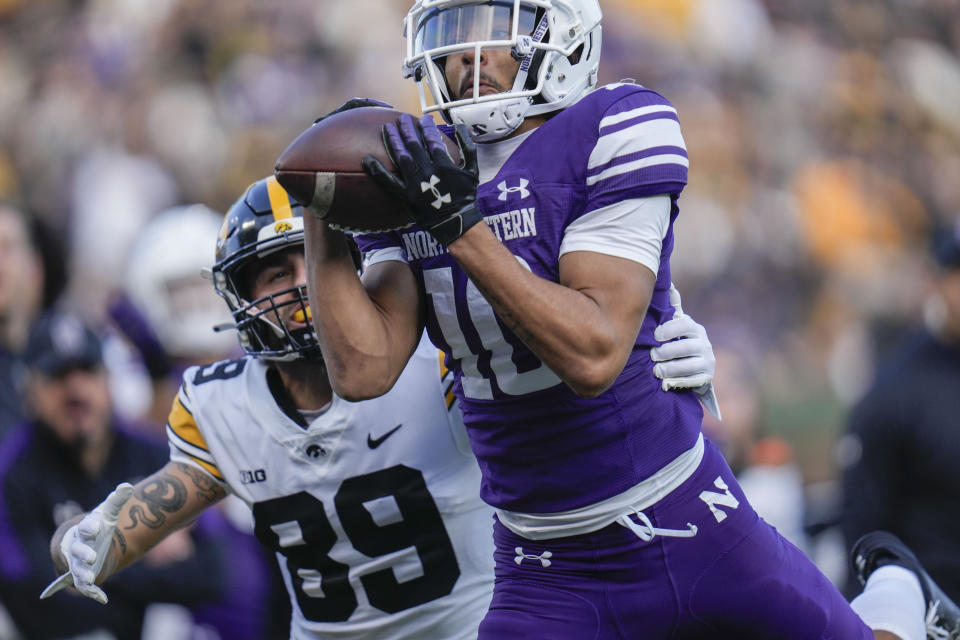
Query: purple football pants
[{"x": 736, "y": 578}]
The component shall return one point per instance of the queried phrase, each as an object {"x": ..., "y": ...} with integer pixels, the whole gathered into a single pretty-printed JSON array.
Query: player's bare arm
[
  {"x": 584, "y": 327},
  {"x": 367, "y": 329},
  {"x": 159, "y": 505}
]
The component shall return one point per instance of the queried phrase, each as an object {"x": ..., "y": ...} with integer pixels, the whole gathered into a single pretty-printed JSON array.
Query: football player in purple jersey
[{"x": 615, "y": 518}]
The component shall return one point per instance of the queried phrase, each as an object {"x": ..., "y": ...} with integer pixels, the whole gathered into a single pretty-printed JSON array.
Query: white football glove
[
  {"x": 685, "y": 360},
  {"x": 85, "y": 546}
]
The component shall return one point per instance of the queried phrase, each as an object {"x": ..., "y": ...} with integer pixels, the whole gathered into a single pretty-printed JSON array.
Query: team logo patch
[
  {"x": 315, "y": 451},
  {"x": 432, "y": 186},
  {"x": 521, "y": 188},
  {"x": 724, "y": 499},
  {"x": 544, "y": 557},
  {"x": 282, "y": 227}
]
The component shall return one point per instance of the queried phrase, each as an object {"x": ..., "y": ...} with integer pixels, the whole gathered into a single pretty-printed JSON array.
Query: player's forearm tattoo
[
  {"x": 119, "y": 542},
  {"x": 161, "y": 494},
  {"x": 504, "y": 314},
  {"x": 207, "y": 488}
]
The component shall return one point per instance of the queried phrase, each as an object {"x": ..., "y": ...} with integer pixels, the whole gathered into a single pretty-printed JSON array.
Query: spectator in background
[
  {"x": 762, "y": 462},
  {"x": 61, "y": 462},
  {"x": 167, "y": 311},
  {"x": 903, "y": 441},
  {"x": 21, "y": 268}
]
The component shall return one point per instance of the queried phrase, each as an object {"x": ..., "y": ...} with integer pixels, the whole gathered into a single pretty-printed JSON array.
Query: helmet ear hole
[{"x": 574, "y": 57}]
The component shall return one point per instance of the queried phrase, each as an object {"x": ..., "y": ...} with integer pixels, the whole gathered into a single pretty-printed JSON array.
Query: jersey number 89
[{"x": 297, "y": 526}]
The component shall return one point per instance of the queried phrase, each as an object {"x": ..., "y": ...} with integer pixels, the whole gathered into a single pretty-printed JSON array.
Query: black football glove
[
  {"x": 441, "y": 195},
  {"x": 355, "y": 103}
]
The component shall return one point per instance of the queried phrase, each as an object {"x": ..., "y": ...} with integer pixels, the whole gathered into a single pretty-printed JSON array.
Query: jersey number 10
[{"x": 496, "y": 359}]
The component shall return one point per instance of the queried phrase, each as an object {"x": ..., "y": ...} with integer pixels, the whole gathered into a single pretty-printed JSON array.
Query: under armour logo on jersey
[
  {"x": 522, "y": 188},
  {"x": 432, "y": 186},
  {"x": 726, "y": 499},
  {"x": 544, "y": 557}
]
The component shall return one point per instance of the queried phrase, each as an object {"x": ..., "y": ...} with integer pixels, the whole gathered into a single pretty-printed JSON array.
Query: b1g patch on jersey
[{"x": 252, "y": 476}]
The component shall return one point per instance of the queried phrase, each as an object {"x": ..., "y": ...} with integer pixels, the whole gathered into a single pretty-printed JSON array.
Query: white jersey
[{"x": 373, "y": 508}]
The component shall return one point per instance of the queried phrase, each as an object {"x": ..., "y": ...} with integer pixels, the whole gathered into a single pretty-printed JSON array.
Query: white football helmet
[
  {"x": 556, "y": 42},
  {"x": 164, "y": 281}
]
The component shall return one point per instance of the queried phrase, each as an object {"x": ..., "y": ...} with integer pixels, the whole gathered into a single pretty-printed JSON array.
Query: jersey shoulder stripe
[
  {"x": 184, "y": 452},
  {"x": 185, "y": 437},
  {"x": 184, "y": 426},
  {"x": 639, "y": 149}
]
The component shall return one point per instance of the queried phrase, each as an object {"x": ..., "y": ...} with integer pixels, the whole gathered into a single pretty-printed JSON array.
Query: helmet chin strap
[
  {"x": 490, "y": 121},
  {"x": 525, "y": 48}
]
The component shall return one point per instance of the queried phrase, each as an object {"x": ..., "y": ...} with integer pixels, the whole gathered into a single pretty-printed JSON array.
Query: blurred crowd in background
[{"x": 824, "y": 142}]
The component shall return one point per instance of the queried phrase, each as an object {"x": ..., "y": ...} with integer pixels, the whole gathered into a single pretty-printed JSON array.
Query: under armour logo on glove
[
  {"x": 544, "y": 557},
  {"x": 419, "y": 153},
  {"x": 432, "y": 186},
  {"x": 504, "y": 189}
]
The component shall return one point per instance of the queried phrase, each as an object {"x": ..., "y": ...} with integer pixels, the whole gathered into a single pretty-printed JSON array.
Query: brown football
[{"x": 322, "y": 170}]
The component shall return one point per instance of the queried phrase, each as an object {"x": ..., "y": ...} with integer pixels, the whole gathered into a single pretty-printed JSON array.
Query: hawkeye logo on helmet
[{"x": 282, "y": 227}]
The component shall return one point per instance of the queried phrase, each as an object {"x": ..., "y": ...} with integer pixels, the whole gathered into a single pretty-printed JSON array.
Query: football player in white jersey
[{"x": 372, "y": 507}]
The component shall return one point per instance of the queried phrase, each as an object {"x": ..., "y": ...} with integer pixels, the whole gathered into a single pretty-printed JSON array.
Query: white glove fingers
[
  {"x": 83, "y": 576},
  {"x": 82, "y": 552},
  {"x": 682, "y": 368},
  {"x": 675, "y": 301},
  {"x": 679, "y": 327},
  {"x": 93, "y": 592},
  {"x": 110, "y": 508},
  {"x": 686, "y": 382},
  {"x": 89, "y": 527},
  {"x": 685, "y": 348}
]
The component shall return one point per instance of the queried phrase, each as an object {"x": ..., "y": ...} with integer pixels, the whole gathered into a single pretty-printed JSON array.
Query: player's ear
[{"x": 468, "y": 149}]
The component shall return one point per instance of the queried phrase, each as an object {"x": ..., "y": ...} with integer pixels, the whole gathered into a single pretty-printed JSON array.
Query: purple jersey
[
  {"x": 735, "y": 578},
  {"x": 541, "y": 448}
]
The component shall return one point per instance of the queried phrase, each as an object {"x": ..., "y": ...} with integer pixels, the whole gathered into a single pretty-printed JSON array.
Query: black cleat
[{"x": 880, "y": 548}]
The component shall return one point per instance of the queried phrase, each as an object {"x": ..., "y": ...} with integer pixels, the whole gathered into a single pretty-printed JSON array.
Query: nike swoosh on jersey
[{"x": 373, "y": 443}]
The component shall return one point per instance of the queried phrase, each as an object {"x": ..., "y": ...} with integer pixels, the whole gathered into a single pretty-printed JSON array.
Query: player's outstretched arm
[
  {"x": 367, "y": 329},
  {"x": 90, "y": 548},
  {"x": 583, "y": 327}
]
